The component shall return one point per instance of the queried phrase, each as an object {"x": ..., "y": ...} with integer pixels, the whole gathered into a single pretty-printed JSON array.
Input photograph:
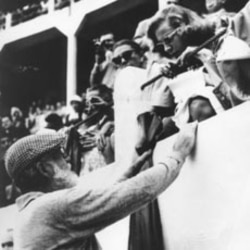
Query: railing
[{"x": 31, "y": 11}]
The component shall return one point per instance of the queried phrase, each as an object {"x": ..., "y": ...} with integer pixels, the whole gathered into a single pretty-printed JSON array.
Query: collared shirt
[{"x": 69, "y": 218}]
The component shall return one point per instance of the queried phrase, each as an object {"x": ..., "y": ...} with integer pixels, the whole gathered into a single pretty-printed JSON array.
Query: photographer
[{"x": 103, "y": 71}]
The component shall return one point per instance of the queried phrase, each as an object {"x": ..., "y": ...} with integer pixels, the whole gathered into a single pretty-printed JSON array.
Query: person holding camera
[{"x": 103, "y": 71}]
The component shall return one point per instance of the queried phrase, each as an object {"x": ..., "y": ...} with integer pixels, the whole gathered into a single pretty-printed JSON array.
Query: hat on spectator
[
  {"x": 15, "y": 109},
  {"x": 29, "y": 149},
  {"x": 233, "y": 48},
  {"x": 75, "y": 98}
]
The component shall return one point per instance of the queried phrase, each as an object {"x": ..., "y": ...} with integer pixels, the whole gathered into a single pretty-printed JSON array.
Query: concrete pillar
[
  {"x": 8, "y": 20},
  {"x": 71, "y": 7},
  {"x": 71, "y": 67},
  {"x": 51, "y": 6},
  {"x": 161, "y": 4}
]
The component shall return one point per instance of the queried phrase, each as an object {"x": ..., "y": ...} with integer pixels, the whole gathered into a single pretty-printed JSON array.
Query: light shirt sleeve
[{"x": 92, "y": 207}]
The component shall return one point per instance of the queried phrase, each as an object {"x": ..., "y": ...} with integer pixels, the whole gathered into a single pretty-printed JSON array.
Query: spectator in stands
[
  {"x": 5, "y": 142},
  {"x": 66, "y": 210},
  {"x": 97, "y": 138},
  {"x": 128, "y": 53},
  {"x": 175, "y": 21},
  {"x": 19, "y": 129},
  {"x": 2, "y": 20},
  {"x": 103, "y": 71},
  {"x": 31, "y": 118},
  {"x": 164, "y": 27},
  {"x": 76, "y": 113},
  {"x": 7, "y": 242},
  {"x": 7, "y": 126},
  {"x": 60, "y": 109}
]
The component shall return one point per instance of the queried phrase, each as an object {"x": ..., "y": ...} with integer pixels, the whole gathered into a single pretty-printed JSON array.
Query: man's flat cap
[{"x": 29, "y": 149}]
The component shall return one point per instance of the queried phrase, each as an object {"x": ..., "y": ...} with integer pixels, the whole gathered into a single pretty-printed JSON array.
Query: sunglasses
[
  {"x": 95, "y": 100},
  {"x": 167, "y": 38},
  {"x": 123, "y": 58}
]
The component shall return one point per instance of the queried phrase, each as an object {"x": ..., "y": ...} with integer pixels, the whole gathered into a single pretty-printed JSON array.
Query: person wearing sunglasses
[
  {"x": 165, "y": 26},
  {"x": 95, "y": 135},
  {"x": 127, "y": 53}
]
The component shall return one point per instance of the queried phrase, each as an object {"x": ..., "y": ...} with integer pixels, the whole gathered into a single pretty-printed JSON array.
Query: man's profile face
[{"x": 214, "y": 5}]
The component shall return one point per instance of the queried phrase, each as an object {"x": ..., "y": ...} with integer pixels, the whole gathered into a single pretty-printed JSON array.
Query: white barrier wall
[
  {"x": 8, "y": 216},
  {"x": 208, "y": 206}
]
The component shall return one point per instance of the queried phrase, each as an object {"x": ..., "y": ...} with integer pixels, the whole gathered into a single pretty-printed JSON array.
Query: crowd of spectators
[
  {"x": 29, "y": 11},
  {"x": 167, "y": 44},
  {"x": 2, "y": 20}
]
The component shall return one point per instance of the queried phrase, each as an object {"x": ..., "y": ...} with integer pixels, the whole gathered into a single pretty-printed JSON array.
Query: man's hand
[
  {"x": 185, "y": 140},
  {"x": 87, "y": 141}
]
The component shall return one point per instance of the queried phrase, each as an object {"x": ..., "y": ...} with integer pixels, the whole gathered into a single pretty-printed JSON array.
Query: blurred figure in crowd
[
  {"x": 103, "y": 71},
  {"x": 7, "y": 242},
  {"x": 5, "y": 143},
  {"x": 31, "y": 118},
  {"x": 76, "y": 113},
  {"x": 61, "y": 109},
  {"x": 19, "y": 129},
  {"x": 7, "y": 126}
]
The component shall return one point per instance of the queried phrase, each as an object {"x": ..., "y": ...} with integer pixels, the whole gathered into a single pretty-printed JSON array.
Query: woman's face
[{"x": 168, "y": 37}]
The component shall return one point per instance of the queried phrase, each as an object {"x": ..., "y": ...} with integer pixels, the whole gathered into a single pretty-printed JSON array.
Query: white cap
[
  {"x": 75, "y": 98},
  {"x": 233, "y": 48}
]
